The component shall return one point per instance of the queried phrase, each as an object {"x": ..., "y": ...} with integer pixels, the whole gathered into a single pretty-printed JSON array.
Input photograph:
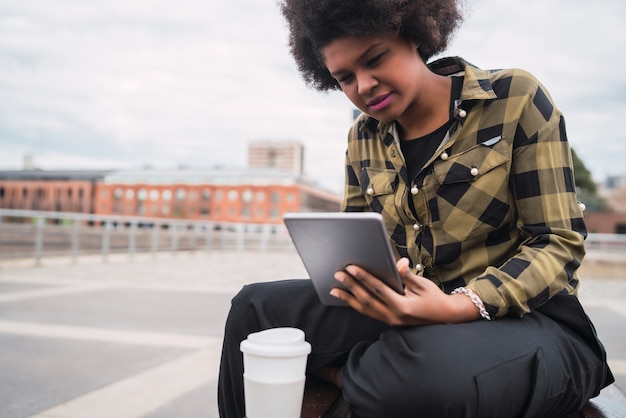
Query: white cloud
[{"x": 193, "y": 81}]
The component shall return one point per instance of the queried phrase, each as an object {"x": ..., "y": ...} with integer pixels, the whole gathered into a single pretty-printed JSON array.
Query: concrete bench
[{"x": 321, "y": 401}]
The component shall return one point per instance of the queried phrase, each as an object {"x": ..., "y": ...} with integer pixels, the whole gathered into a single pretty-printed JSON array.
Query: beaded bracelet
[{"x": 475, "y": 299}]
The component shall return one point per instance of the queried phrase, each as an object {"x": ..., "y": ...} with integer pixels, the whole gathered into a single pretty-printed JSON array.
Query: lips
[{"x": 379, "y": 102}]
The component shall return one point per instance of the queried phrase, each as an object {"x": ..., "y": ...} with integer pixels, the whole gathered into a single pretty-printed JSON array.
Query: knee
[
  {"x": 242, "y": 309},
  {"x": 436, "y": 391}
]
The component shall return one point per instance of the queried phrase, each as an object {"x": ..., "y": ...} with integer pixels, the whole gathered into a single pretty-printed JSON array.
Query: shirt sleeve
[
  {"x": 353, "y": 199},
  {"x": 549, "y": 217}
]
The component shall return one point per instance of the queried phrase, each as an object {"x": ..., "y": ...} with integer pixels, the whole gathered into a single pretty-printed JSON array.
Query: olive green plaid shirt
[{"x": 495, "y": 207}]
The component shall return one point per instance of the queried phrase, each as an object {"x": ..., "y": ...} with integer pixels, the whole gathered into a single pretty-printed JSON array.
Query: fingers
[
  {"x": 365, "y": 293},
  {"x": 364, "y": 283}
]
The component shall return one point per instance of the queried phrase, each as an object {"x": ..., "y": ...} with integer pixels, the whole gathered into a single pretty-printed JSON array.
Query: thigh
[
  {"x": 508, "y": 367},
  {"x": 332, "y": 331}
]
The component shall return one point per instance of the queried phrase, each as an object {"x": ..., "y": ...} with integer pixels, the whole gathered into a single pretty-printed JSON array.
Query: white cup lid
[{"x": 276, "y": 342}]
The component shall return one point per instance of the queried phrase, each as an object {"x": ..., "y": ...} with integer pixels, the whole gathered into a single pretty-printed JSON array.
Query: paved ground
[{"x": 141, "y": 337}]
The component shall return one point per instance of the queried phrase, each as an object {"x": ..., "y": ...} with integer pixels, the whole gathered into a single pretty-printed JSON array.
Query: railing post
[
  {"x": 106, "y": 240},
  {"x": 174, "y": 244},
  {"x": 132, "y": 239},
  {"x": 39, "y": 222},
  {"x": 265, "y": 236},
  {"x": 192, "y": 243},
  {"x": 75, "y": 237},
  {"x": 154, "y": 244},
  {"x": 240, "y": 237},
  {"x": 208, "y": 244}
]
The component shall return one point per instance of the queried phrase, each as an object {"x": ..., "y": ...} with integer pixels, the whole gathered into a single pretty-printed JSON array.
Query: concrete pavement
[{"x": 141, "y": 337}]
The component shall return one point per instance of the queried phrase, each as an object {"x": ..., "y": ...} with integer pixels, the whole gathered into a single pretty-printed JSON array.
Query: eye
[
  {"x": 375, "y": 60},
  {"x": 345, "y": 79}
]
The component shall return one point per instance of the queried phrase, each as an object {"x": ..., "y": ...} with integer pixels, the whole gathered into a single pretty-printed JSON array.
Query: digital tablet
[{"x": 329, "y": 241}]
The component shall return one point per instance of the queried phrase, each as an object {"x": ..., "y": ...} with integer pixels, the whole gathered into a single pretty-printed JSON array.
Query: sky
[{"x": 105, "y": 84}]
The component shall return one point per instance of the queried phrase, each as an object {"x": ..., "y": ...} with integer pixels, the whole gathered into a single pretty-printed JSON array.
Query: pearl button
[
  {"x": 474, "y": 171},
  {"x": 419, "y": 267},
  {"x": 444, "y": 156},
  {"x": 417, "y": 227},
  {"x": 414, "y": 190},
  {"x": 462, "y": 113},
  {"x": 582, "y": 206},
  {"x": 370, "y": 191}
]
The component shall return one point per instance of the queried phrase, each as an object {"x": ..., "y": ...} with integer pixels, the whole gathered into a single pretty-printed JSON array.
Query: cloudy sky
[{"x": 161, "y": 83}]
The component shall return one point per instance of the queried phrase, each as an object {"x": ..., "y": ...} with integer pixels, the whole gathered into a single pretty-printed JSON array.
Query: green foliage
[
  {"x": 582, "y": 176},
  {"x": 585, "y": 186}
]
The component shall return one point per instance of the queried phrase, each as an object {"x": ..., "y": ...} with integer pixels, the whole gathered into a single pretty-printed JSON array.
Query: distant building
[
  {"x": 613, "y": 220},
  {"x": 287, "y": 156},
  {"x": 262, "y": 193},
  {"x": 250, "y": 195},
  {"x": 614, "y": 192},
  {"x": 56, "y": 190}
]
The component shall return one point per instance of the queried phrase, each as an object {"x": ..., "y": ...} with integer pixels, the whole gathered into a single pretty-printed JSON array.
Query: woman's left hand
[{"x": 422, "y": 303}]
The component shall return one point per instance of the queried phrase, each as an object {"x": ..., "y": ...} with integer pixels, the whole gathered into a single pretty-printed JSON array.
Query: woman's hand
[{"x": 423, "y": 301}]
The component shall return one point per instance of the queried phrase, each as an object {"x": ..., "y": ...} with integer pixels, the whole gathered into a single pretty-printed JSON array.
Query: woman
[{"x": 472, "y": 173}]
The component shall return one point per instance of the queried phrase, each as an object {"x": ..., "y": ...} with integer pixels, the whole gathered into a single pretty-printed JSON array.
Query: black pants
[{"x": 546, "y": 364}]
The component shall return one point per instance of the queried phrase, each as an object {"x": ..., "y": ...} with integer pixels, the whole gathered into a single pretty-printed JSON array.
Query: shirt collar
[{"x": 476, "y": 86}]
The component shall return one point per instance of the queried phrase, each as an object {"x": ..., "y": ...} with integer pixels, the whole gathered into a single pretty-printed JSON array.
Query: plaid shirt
[{"x": 495, "y": 206}]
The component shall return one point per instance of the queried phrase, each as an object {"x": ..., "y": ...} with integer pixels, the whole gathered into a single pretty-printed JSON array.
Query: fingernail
[
  {"x": 334, "y": 293},
  {"x": 351, "y": 270},
  {"x": 339, "y": 277}
]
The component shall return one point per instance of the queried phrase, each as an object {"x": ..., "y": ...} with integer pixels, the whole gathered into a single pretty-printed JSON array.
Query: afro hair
[{"x": 313, "y": 24}]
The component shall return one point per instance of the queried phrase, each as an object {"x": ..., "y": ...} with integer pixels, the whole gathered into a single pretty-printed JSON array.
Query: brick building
[
  {"x": 57, "y": 190},
  {"x": 250, "y": 195},
  {"x": 262, "y": 193}
]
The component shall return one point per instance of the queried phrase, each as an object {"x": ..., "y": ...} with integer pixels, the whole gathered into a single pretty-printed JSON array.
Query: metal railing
[{"x": 36, "y": 234}]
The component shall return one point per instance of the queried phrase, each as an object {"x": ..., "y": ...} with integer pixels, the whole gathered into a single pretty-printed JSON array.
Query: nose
[{"x": 366, "y": 82}]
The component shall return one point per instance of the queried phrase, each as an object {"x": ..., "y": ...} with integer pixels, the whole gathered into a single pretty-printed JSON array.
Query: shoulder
[
  {"x": 478, "y": 82},
  {"x": 514, "y": 82}
]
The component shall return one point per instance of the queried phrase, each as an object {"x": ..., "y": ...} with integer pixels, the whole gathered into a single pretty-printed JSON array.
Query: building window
[
  {"x": 154, "y": 195},
  {"x": 219, "y": 195},
  {"x": 166, "y": 195},
  {"x": 193, "y": 195},
  {"x": 206, "y": 195},
  {"x": 260, "y": 196},
  {"x": 246, "y": 196},
  {"x": 1, "y": 192},
  {"x": 117, "y": 193},
  {"x": 290, "y": 197},
  {"x": 233, "y": 195},
  {"x": 275, "y": 198},
  {"x": 130, "y": 194},
  {"x": 274, "y": 213},
  {"x": 245, "y": 213},
  {"x": 142, "y": 194},
  {"x": 180, "y": 194}
]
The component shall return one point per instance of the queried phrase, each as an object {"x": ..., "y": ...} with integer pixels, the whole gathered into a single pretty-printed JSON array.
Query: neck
[{"x": 430, "y": 110}]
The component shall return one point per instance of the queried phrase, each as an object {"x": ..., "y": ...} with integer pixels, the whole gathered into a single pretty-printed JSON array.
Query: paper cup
[{"x": 274, "y": 372}]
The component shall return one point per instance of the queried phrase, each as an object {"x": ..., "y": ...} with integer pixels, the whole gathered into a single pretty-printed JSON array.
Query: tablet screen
[{"x": 329, "y": 241}]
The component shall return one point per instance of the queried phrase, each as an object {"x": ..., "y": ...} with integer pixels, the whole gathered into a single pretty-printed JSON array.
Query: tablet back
[{"x": 327, "y": 242}]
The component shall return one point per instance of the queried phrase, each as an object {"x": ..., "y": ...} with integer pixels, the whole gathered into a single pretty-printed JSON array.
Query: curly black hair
[{"x": 313, "y": 24}]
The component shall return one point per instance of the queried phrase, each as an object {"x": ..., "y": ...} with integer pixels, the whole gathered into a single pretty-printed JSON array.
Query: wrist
[{"x": 473, "y": 306}]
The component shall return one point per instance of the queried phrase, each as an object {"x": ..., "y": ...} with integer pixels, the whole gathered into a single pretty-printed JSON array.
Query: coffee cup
[{"x": 274, "y": 362}]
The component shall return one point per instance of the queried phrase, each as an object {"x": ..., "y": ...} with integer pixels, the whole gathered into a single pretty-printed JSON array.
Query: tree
[{"x": 585, "y": 186}]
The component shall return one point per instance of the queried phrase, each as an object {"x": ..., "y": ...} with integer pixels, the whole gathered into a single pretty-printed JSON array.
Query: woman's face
[{"x": 382, "y": 76}]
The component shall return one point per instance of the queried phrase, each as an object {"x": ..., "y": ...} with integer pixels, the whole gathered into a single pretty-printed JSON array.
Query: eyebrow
[{"x": 360, "y": 57}]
